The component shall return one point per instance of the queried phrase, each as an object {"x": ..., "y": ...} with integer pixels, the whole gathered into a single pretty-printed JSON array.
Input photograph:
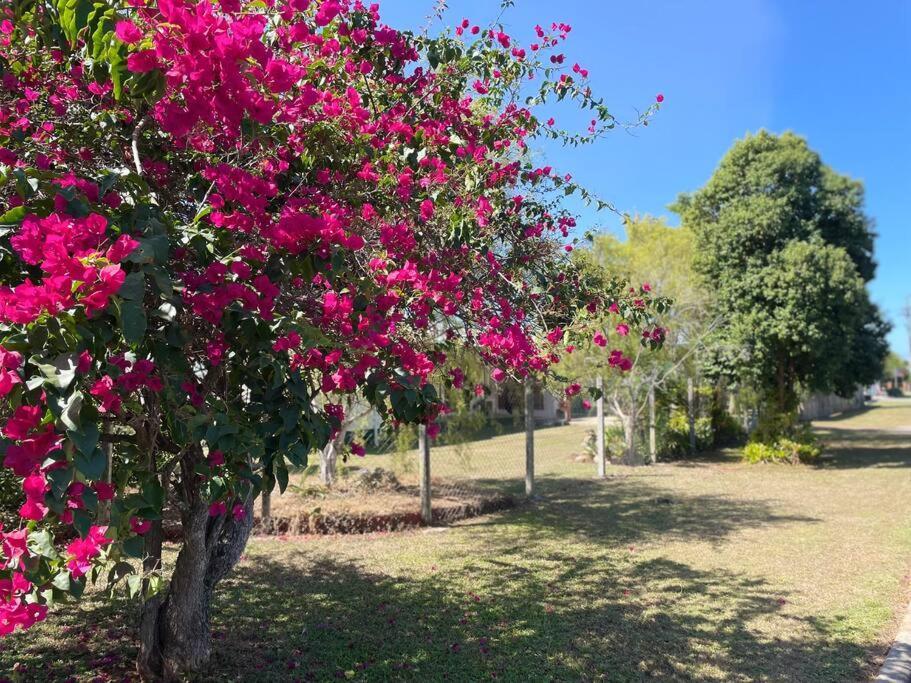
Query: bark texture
[{"x": 175, "y": 638}]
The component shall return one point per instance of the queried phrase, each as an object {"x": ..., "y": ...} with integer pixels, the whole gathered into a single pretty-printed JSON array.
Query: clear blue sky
[{"x": 834, "y": 71}]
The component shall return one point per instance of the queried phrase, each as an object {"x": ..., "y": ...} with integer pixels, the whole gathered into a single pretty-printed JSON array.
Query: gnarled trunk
[{"x": 175, "y": 638}]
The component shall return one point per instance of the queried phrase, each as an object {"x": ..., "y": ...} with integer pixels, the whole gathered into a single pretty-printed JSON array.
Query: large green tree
[{"x": 786, "y": 245}]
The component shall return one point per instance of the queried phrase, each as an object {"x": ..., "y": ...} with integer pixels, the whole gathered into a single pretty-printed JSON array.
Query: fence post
[
  {"x": 529, "y": 437},
  {"x": 652, "y": 441},
  {"x": 691, "y": 411},
  {"x": 600, "y": 454},
  {"x": 424, "y": 467}
]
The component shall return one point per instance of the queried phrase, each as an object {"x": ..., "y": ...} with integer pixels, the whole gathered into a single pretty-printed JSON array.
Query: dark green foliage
[
  {"x": 784, "y": 242},
  {"x": 10, "y": 498}
]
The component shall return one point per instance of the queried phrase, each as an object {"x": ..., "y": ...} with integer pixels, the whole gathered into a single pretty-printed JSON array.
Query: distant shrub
[
  {"x": 801, "y": 446},
  {"x": 894, "y": 392},
  {"x": 676, "y": 436},
  {"x": 615, "y": 441},
  {"x": 727, "y": 430}
]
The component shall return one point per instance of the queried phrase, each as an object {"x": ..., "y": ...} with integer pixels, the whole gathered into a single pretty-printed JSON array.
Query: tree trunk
[
  {"x": 328, "y": 458},
  {"x": 629, "y": 431},
  {"x": 175, "y": 639},
  {"x": 266, "y": 511}
]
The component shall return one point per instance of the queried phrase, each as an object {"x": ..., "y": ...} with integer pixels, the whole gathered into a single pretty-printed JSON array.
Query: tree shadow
[
  {"x": 593, "y": 620},
  {"x": 624, "y": 510},
  {"x": 96, "y": 637},
  {"x": 854, "y": 448},
  {"x": 522, "y": 604}
]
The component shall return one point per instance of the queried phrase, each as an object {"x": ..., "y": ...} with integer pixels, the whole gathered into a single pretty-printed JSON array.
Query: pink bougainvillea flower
[
  {"x": 218, "y": 508},
  {"x": 498, "y": 375},
  {"x": 140, "y": 526},
  {"x": 103, "y": 490},
  {"x": 357, "y": 449},
  {"x": 659, "y": 98},
  {"x": 622, "y": 329},
  {"x": 82, "y": 551},
  {"x": 573, "y": 389},
  {"x": 24, "y": 420},
  {"x": 127, "y": 32},
  {"x": 9, "y": 364},
  {"x": 586, "y": 404},
  {"x": 599, "y": 339},
  {"x": 34, "y": 486},
  {"x": 141, "y": 62},
  {"x": 238, "y": 511}
]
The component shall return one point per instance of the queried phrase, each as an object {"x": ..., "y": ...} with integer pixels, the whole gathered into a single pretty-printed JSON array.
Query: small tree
[
  {"x": 220, "y": 222},
  {"x": 658, "y": 257}
]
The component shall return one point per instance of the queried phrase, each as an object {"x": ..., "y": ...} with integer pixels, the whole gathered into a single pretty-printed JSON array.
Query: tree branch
[{"x": 137, "y": 132}]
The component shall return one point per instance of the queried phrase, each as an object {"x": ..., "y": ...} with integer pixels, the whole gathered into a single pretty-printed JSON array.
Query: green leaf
[
  {"x": 41, "y": 543},
  {"x": 151, "y": 250},
  {"x": 92, "y": 466},
  {"x": 133, "y": 288},
  {"x": 62, "y": 581},
  {"x": 71, "y": 407},
  {"x": 82, "y": 521},
  {"x": 60, "y": 479},
  {"x": 85, "y": 439},
  {"x": 77, "y": 587},
  {"x": 14, "y": 216},
  {"x": 281, "y": 475},
  {"x": 60, "y": 372},
  {"x": 134, "y": 585},
  {"x": 153, "y": 494},
  {"x": 134, "y": 546},
  {"x": 133, "y": 320}
]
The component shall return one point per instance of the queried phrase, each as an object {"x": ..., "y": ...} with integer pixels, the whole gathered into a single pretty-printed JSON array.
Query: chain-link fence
[{"x": 478, "y": 462}]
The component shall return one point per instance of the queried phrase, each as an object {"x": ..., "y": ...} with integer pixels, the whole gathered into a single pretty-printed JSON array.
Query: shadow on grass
[
  {"x": 94, "y": 640},
  {"x": 624, "y": 510},
  {"x": 309, "y": 618},
  {"x": 852, "y": 448},
  {"x": 550, "y": 592},
  {"x": 593, "y": 620}
]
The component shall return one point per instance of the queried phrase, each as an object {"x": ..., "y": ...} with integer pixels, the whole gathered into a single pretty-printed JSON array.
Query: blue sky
[{"x": 836, "y": 72}]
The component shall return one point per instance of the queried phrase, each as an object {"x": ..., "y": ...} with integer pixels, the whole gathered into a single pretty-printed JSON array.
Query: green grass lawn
[
  {"x": 499, "y": 460},
  {"x": 707, "y": 570}
]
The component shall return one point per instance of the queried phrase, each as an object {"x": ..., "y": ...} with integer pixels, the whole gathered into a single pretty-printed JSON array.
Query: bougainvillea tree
[{"x": 221, "y": 219}]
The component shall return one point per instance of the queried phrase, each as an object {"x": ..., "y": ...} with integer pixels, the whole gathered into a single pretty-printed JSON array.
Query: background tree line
[{"x": 768, "y": 273}]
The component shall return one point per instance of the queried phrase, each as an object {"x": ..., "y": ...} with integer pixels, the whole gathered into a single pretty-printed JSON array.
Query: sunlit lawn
[
  {"x": 500, "y": 457},
  {"x": 710, "y": 570}
]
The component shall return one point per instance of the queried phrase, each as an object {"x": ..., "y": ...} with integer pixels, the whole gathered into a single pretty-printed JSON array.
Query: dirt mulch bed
[
  {"x": 375, "y": 501},
  {"x": 341, "y": 521}
]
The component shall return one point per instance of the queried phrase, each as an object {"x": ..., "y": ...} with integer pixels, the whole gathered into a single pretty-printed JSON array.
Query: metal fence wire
[{"x": 478, "y": 462}]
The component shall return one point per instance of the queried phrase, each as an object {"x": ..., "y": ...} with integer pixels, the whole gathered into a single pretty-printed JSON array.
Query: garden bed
[{"x": 382, "y": 504}]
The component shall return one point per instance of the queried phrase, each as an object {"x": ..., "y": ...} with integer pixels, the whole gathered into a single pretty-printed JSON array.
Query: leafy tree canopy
[
  {"x": 784, "y": 242},
  {"x": 221, "y": 219}
]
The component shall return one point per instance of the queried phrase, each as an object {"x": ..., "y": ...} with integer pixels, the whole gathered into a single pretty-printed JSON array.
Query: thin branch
[{"x": 137, "y": 132}]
